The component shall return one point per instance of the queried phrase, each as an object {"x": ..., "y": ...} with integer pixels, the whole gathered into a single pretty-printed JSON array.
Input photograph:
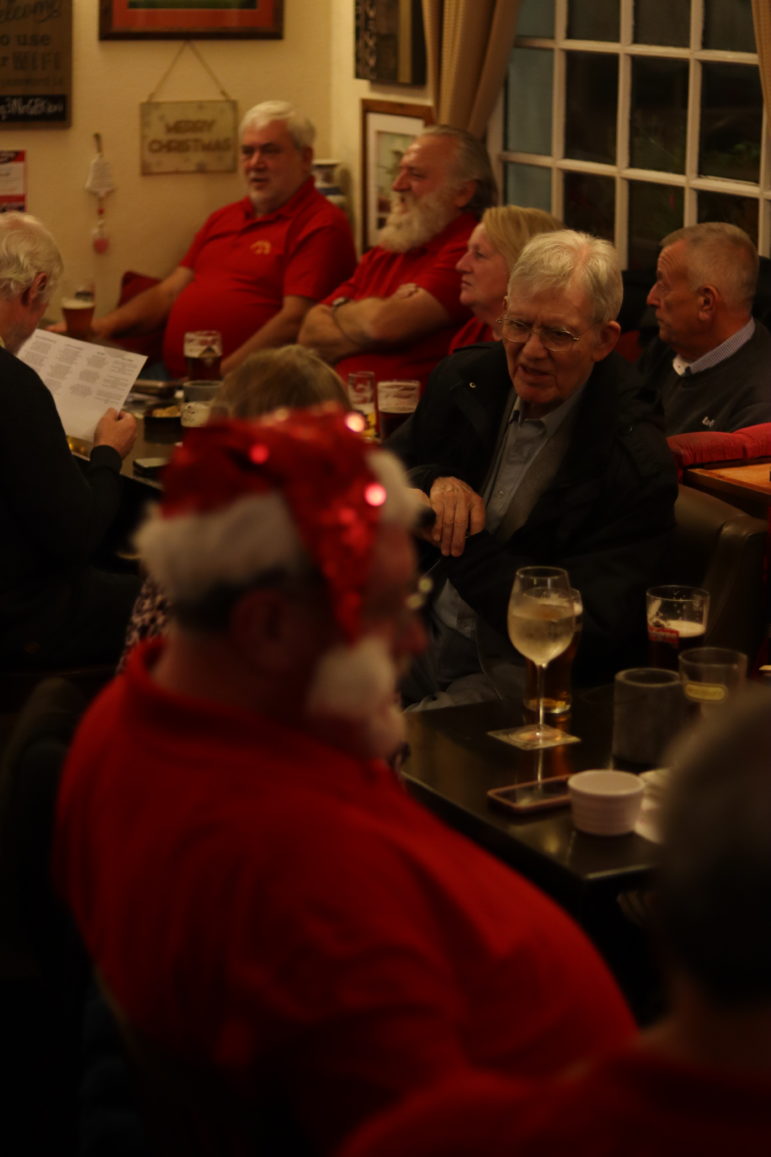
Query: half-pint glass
[{"x": 557, "y": 686}]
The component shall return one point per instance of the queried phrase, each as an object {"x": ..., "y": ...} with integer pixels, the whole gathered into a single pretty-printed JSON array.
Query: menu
[{"x": 85, "y": 379}]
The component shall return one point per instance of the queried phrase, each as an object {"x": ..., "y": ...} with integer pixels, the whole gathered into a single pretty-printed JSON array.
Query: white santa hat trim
[{"x": 188, "y": 554}]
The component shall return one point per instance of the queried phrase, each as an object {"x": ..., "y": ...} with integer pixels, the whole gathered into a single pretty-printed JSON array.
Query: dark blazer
[
  {"x": 53, "y": 514},
  {"x": 606, "y": 516}
]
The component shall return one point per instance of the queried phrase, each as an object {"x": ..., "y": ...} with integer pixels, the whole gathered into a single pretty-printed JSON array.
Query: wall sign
[
  {"x": 188, "y": 136},
  {"x": 13, "y": 181},
  {"x": 35, "y": 64}
]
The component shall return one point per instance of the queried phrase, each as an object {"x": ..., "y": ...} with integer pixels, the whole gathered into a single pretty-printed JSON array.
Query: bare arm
[
  {"x": 372, "y": 323},
  {"x": 147, "y": 310},
  {"x": 282, "y": 329}
]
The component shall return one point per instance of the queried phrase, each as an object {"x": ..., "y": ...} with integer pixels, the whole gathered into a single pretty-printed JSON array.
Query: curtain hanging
[
  {"x": 761, "y": 16},
  {"x": 467, "y": 46}
]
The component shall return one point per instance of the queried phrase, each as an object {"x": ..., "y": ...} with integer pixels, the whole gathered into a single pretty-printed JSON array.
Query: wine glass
[{"x": 541, "y": 621}]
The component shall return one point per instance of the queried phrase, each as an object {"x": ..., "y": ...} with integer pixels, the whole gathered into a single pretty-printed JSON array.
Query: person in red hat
[{"x": 258, "y": 893}]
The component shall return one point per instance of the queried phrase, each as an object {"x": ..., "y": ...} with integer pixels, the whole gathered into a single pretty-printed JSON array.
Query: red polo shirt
[
  {"x": 431, "y": 267},
  {"x": 245, "y": 266}
]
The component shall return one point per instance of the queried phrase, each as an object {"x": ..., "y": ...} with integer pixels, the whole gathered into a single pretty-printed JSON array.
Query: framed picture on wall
[
  {"x": 387, "y": 128},
  {"x": 179, "y": 19},
  {"x": 390, "y": 42}
]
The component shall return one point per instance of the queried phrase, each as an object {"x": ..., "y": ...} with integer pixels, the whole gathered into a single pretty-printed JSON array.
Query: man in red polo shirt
[
  {"x": 256, "y": 266},
  {"x": 399, "y": 311}
]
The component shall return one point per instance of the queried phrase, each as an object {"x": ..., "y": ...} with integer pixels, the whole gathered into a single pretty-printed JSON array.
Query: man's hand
[
  {"x": 118, "y": 430},
  {"x": 459, "y": 512}
]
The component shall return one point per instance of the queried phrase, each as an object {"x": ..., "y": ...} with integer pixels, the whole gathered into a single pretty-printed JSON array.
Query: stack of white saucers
[{"x": 605, "y": 803}]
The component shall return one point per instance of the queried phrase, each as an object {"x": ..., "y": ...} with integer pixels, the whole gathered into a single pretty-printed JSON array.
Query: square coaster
[{"x": 528, "y": 739}]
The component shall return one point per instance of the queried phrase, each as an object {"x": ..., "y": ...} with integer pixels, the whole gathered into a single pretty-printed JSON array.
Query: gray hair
[
  {"x": 722, "y": 255},
  {"x": 714, "y": 903},
  {"x": 554, "y": 261},
  {"x": 289, "y": 375},
  {"x": 27, "y": 249},
  {"x": 472, "y": 163},
  {"x": 301, "y": 130}
]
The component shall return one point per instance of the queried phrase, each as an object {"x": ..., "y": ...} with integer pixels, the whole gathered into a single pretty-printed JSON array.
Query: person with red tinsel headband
[{"x": 258, "y": 893}]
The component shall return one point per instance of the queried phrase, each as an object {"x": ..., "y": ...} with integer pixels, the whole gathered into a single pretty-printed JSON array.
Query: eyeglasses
[{"x": 517, "y": 332}]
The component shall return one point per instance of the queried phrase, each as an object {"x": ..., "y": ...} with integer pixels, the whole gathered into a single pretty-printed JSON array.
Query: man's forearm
[{"x": 321, "y": 332}]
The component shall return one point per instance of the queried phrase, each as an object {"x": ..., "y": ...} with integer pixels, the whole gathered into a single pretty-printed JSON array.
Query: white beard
[
  {"x": 358, "y": 684},
  {"x": 412, "y": 223}
]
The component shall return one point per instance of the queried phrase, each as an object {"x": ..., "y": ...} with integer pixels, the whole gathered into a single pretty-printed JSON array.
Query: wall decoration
[
  {"x": 188, "y": 136},
  {"x": 390, "y": 41},
  {"x": 387, "y": 128},
  {"x": 202, "y": 19},
  {"x": 13, "y": 181},
  {"x": 36, "y": 65}
]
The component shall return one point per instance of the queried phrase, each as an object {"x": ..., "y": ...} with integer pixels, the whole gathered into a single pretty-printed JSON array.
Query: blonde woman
[{"x": 493, "y": 249}]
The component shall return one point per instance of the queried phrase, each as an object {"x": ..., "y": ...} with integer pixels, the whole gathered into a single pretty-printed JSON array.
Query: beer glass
[
  {"x": 361, "y": 395},
  {"x": 395, "y": 402},
  {"x": 541, "y": 624},
  {"x": 677, "y": 618},
  {"x": 203, "y": 354},
  {"x": 557, "y": 696},
  {"x": 78, "y": 307},
  {"x": 710, "y": 674}
]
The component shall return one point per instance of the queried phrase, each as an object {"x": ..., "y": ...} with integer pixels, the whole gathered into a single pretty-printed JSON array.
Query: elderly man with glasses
[{"x": 539, "y": 449}]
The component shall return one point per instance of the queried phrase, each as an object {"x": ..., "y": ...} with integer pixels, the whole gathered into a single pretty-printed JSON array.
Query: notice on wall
[
  {"x": 13, "y": 181},
  {"x": 188, "y": 136},
  {"x": 35, "y": 64}
]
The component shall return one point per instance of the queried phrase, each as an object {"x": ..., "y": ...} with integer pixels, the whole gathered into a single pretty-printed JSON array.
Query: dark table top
[{"x": 453, "y": 763}]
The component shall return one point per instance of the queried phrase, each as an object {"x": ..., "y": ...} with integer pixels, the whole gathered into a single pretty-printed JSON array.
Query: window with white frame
[{"x": 630, "y": 118}]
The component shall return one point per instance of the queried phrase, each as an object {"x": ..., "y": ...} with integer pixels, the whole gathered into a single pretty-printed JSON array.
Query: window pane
[
  {"x": 598, "y": 20},
  {"x": 529, "y": 100},
  {"x": 730, "y": 122},
  {"x": 654, "y": 211},
  {"x": 590, "y": 115},
  {"x": 728, "y": 25},
  {"x": 659, "y": 23},
  {"x": 741, "y": 211},
  {"x": 590, "y": 204},
  {"x": 528, "y": 185},
  {"x": 658, "y": 114},
  {"x": 536, "y": 18}
]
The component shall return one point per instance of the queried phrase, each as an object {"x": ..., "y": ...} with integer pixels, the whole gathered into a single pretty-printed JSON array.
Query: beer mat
[
  {"x": 647, "y": 824},
  {"x": 527, "y": 738}
]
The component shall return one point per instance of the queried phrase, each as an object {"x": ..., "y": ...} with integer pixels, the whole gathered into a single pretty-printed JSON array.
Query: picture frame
[
  {"x": 390, "y": 43},
  {"x": 195, "y": 19},
  {"x": 387, "y": 127}
]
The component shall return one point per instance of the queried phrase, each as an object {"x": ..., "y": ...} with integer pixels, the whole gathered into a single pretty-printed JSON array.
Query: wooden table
[
  {"x": 453, "y": 762},
  {"x": 747, "y": 486}
]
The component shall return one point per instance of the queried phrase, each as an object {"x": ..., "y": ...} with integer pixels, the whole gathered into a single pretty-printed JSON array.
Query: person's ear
[
  {"x": 35, "y": 291},
  {"x": 708, "y": 300},
  {"x": 607, "y": 337},
  {"x": 464, "y": 194},
  {"x": 259, "y": 626}
]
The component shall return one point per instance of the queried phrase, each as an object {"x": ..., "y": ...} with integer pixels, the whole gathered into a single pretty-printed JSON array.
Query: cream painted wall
[{"x": 151, "y": 220}]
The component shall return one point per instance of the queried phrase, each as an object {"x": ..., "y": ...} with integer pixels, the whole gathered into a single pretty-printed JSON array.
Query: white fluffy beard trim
[
  {"x": 358, "y": 683},
  {"x": 191, "y": 553}
]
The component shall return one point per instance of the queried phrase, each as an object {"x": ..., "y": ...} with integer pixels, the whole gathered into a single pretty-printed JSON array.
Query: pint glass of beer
[
  {"x": 361, "y": 395},
  {"x": 203, "y": 354},
  {"x": 78, "y": 308},
  {"x": 677, "y": 618},
  {"x": 395, "y": 402},
  {"x": 556, "y": 677}
]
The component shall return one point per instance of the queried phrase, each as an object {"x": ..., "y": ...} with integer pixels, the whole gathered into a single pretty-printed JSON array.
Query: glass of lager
[{"x": 556, "y": 680}]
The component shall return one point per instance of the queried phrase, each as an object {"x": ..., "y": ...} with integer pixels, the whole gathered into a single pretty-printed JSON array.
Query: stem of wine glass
[{"x": 540, "y": 673}]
